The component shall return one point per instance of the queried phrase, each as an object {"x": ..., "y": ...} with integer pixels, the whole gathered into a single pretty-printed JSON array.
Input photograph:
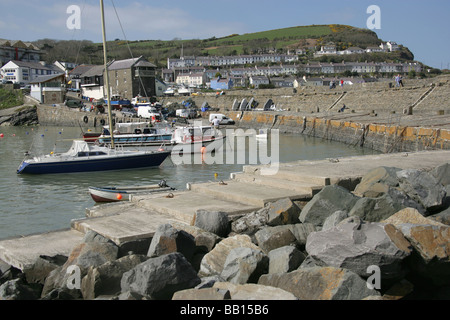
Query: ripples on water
[{"x": 34, "y": 204}]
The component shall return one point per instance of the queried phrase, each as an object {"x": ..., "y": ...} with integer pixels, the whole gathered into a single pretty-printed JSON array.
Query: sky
[{"x": 422, "y": 26}]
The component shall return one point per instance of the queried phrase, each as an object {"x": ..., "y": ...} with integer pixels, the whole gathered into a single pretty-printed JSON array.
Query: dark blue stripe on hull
[{"x": 150, "y": 160}]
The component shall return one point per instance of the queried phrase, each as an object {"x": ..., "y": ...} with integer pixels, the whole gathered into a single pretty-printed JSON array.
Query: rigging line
[
  {"x": 81, "y": 41},
  {"x": 128, "y": 46},
  {"x": 73, "y": 38}
]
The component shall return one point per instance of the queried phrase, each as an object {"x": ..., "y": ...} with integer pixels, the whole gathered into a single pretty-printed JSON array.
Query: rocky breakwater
[{"x": 387, "y": 239}]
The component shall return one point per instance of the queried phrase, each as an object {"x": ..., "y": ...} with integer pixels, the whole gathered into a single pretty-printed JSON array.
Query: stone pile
[{"x": 388, "y": 239}]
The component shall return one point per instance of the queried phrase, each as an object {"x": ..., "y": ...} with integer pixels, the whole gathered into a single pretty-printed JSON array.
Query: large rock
[
  {"x": 271, "y": 238},
  {"x": 105, "y": 279},
  {"x": 202, "y": 294},
  {"x": 42, "y": 267},
  {"x": 83, "y": 256},
  {"x": 167, "y": 240},
  {"x": 422, "y": 187},
  {"x": 214, "y": 261},
  {"x": 252, "y": 291},
  {"x": 159, "y": 278},
  {"x": 282, "y": 212},
  {"x": 357, "y": 245},
  {"x": 301, "y": 231},
  {"x": 251, "y": 222},
  {"x": 334, "y": 219},
  {"x": 431, "y": 258},
  {"x": 442, "y": 174},
  {"x": 377, "y": 209},
  {"x": 320, "y": 283},
  {"x": 377, "y": 182},
  {"x": 17, "y": 290},
  {"x": 410, "y": 216},
  {"x": 285, "y": 259},
  {"x": 329, "y": 200},
  {"x": 216, "y": 222},
  {"x": 244, "y": 265}
]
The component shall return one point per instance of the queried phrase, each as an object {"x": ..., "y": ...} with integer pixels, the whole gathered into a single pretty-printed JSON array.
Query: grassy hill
[{"x": 158, "y": 51}]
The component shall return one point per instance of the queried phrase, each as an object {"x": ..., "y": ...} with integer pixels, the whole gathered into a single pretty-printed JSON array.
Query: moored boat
[
  {"x": 115, "y": 194},
  {"x": 138, "y": 134},
  {"x": 83, "y": 157},
  {"x": 194, "y": 139}
]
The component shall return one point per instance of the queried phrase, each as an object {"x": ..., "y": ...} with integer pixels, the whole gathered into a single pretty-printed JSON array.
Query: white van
[
  {"x": 149, "y": 113},
  {"x": 223, "y": 118}
]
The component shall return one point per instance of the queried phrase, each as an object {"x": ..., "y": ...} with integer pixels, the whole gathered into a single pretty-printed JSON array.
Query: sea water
[{"x": 40, "y": 203}]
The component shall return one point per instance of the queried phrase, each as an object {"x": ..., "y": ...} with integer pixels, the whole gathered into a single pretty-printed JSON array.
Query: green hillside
[{"x": 157, "y": 51}]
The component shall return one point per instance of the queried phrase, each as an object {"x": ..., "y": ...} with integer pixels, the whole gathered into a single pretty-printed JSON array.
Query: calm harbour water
[{"x": 35, "y": 204}]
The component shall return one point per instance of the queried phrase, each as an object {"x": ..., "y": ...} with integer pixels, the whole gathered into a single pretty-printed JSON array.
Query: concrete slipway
[{"x": 244, "y": 192}]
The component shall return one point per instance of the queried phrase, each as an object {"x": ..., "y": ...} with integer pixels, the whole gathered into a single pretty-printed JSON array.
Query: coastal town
[
  {"x": 22, "y": 65},
  {"x": 353, "y": 205}
]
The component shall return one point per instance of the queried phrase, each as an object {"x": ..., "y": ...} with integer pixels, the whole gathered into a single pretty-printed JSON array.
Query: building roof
[
  {"x": 93, "y": 71},
  {"x": 43, "y": 79},
  {"x": 129, "y": 63},
  {"x": 32, "y": 65},
  {"x": 81, "y": 69}
]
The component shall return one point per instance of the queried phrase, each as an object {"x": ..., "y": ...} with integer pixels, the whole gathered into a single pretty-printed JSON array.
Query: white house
[
  {"x": 353, "y": 50},
  {"x": 390, "y": 46},
  {"x": 49, "y": 89},
  {"x": 24, "y": 72},
  {"x": 256, "y": 81}
]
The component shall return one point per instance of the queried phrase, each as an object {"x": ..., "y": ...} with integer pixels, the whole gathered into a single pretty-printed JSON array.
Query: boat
[
  {"x": 183, "y": 91},
  {"x": 192, "y": 139},
  {"x": 169, "y": 92},
  {"x": 117, "y": 102},
  {"x": 140, "y": 102},
  {"x": 116, "y": 194},
  {"x": 138, "y": 134},
  {"x": 83, "y": 157}
]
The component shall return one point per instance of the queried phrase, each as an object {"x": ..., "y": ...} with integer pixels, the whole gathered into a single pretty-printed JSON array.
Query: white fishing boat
[
  {"x": 139, "y": 134},
  {"x": 193, "y": 139}
]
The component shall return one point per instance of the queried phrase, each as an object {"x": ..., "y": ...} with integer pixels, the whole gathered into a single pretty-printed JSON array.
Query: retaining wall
[{"x": 380, "y": 137}]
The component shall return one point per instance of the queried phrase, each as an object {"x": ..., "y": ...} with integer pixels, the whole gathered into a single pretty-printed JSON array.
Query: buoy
[
  {"x": 216, "y": 175},
  {"x": 119, "y": 197},
  {"x": 1, "y": 135}
]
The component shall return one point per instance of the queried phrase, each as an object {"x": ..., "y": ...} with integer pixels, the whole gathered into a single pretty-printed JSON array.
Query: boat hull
[
  {"x": 93, "y": 164},
  {"x": 112, "y": 194}
]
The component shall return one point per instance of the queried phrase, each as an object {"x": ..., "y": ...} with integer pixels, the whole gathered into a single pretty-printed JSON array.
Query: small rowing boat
[{"x": 115, "y": 194}]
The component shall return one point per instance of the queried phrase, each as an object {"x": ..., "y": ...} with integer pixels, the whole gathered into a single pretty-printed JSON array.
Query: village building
[
  {"x": 18, "y": 51},
  {"x": 23, "y": 72},
  {"x": 132, "y": 77},
  {"x": 49, "y": 89},
  {"x": 221, "y": 84}
]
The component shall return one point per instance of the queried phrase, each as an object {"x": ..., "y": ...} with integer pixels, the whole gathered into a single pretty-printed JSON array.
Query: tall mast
[{"x": 108, "y": 93}]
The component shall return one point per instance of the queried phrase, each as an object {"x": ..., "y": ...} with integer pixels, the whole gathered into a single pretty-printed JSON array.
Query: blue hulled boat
[{"x": 83, "y": 157}]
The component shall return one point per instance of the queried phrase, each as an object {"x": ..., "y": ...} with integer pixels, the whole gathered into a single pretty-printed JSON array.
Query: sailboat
[{"x": 83, "y": 157}]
